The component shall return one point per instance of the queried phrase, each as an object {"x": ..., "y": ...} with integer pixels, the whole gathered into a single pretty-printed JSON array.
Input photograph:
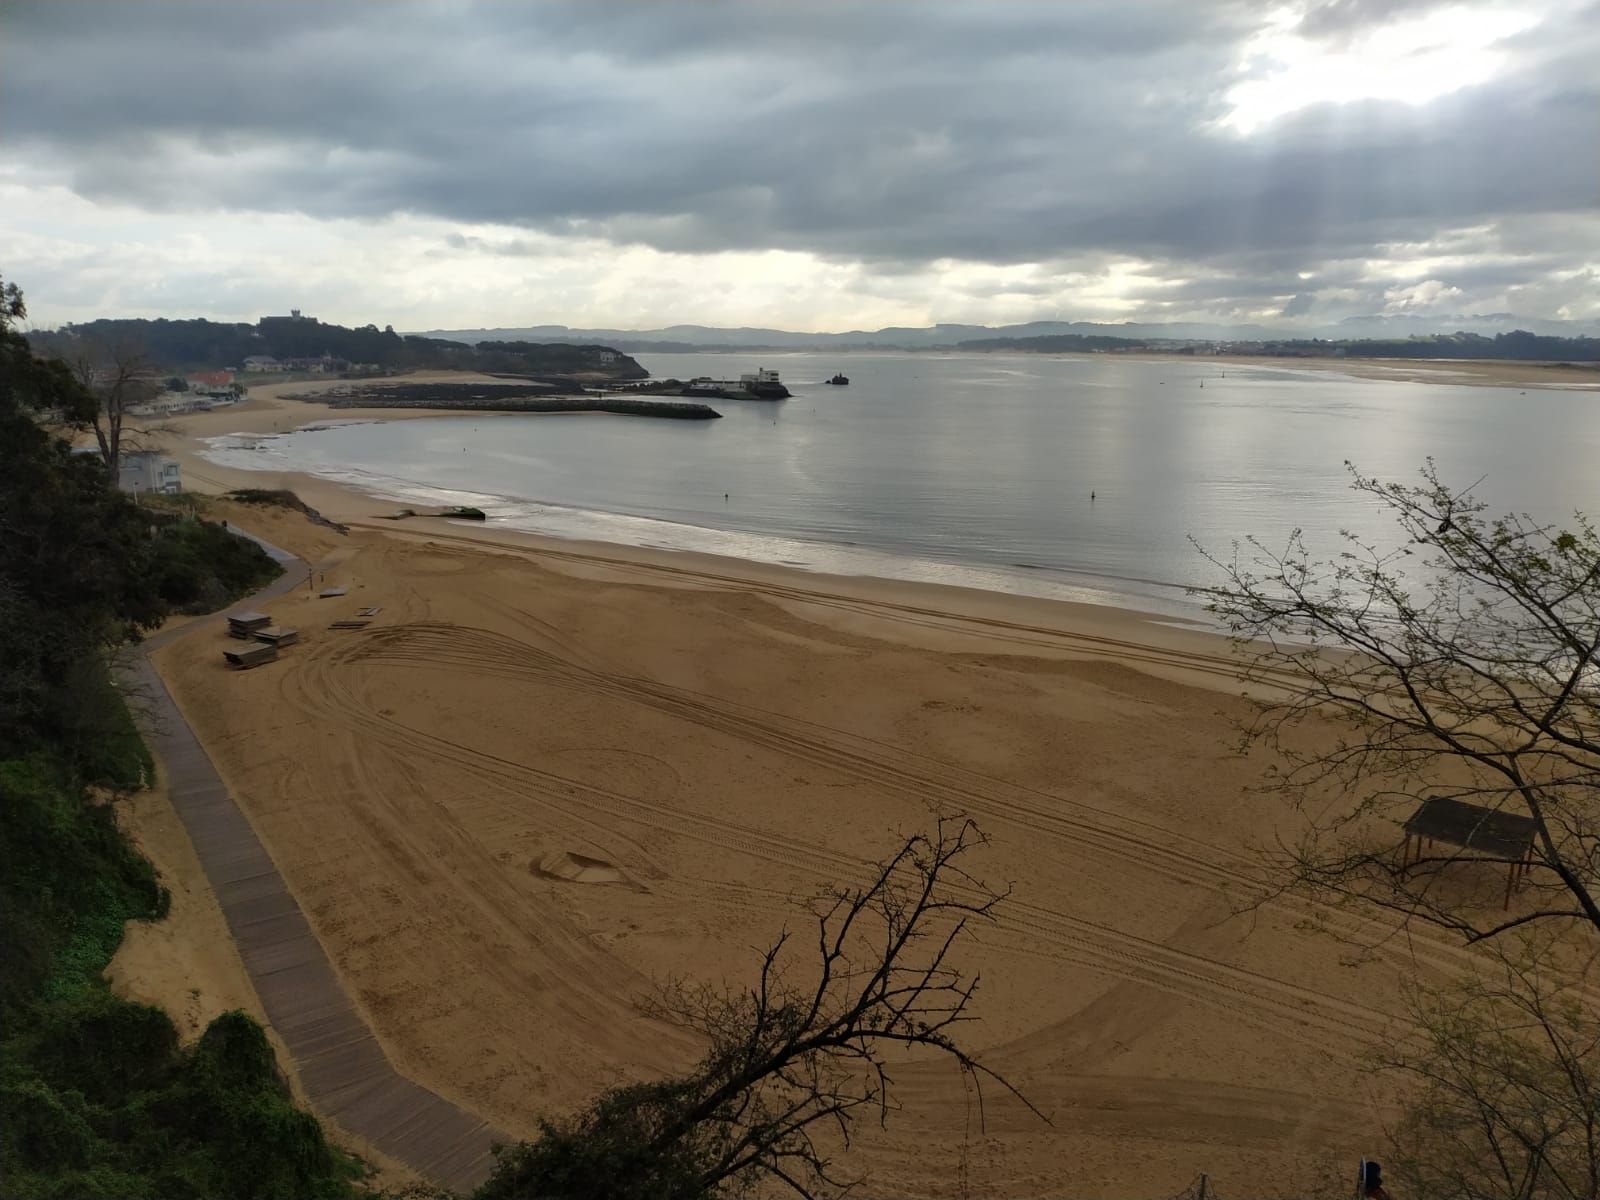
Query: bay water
[{"x": 1084, "y": 478}]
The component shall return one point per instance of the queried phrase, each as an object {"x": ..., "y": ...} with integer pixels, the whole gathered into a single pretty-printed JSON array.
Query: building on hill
[
  {"x": 148, "y": 471},
  {"x": 324, "y": 365}
]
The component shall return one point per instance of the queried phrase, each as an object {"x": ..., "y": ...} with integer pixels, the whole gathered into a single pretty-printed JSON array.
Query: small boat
[{"x": 840, "y": 380}]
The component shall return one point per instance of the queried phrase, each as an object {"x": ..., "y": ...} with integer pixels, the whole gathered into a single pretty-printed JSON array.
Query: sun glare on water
[{"x": 1410, "y": 61}]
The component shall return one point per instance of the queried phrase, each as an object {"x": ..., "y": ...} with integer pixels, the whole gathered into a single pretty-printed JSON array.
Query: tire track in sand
[
  {"x": 1142, "y": 844},
  {"x": 1121, "y": 954}
]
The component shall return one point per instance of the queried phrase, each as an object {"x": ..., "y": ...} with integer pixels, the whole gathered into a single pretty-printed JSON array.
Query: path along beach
[{"x": 549, "y": 774}]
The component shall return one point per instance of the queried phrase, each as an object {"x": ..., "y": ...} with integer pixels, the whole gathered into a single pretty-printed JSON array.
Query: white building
[
  {"x": 149, "y": 471},
  {"x": 143, "y": 471}
]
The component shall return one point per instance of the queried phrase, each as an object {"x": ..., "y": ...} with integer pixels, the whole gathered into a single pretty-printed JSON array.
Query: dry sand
[{"x": 551, "y": 774}]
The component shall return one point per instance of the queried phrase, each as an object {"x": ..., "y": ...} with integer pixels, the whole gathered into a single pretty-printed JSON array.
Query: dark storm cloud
[{"x": 889, "y": 133}]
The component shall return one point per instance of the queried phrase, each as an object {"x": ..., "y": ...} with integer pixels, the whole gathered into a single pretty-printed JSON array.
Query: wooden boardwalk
[{"x": 340, "y": 1062}]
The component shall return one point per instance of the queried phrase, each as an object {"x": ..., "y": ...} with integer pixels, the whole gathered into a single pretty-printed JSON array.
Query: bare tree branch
[
  {"x": 795, "y": 1058},
  {"x": 1463, "y": 664},
  {"x": 120, "y": 379},
  {"x": 1503, "y": 1088}
]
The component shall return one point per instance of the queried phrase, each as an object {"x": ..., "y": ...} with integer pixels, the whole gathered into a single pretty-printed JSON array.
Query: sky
[{"x": 811, "y": 166}]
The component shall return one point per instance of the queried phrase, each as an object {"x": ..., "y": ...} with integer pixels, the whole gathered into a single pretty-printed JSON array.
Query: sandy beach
[
  {"x": 1465, "y": 372},
  {"x": 550, "y": 775}
]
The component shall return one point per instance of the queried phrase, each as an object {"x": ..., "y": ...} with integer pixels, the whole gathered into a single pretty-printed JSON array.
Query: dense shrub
[
  {"x": 199, "y": 566},
  {"x": 70, "y": 883},
  {"x": 97, "y": 1099}
]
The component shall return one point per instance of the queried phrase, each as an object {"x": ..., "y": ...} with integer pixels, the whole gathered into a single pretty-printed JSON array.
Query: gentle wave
[{"x": 267, "y": 452}]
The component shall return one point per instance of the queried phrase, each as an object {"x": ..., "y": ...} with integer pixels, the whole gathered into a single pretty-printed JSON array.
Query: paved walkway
[{"x": 340, "y": 1063}]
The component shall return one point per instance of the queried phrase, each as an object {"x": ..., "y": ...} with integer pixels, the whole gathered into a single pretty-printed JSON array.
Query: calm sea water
[{"x": 1080, "y": 478}]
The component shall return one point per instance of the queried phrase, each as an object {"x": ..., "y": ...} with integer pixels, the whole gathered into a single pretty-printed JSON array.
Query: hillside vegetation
[
  {"x": 200, "y": 344},
  {"x": 97, "y": 1097}
]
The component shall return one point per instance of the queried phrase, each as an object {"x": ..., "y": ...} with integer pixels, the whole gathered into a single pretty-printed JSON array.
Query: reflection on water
[{"x": 1078, "y": 478}]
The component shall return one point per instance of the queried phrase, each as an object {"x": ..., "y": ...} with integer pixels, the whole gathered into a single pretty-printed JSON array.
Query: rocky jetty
[{"x": 490, "y": 397}]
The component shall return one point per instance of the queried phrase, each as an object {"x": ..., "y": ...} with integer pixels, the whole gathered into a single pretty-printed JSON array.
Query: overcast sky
[{"x": 814, "y": 166}]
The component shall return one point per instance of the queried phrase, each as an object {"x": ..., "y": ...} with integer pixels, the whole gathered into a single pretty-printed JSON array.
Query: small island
[{"x": 761, "y": 384}]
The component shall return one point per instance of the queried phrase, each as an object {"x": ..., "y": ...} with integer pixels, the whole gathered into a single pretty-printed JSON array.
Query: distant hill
[
  {"x": 704, "y": 337},
  {"x": 1516, "y": 345},
  {"x": 305, "y": 342}
]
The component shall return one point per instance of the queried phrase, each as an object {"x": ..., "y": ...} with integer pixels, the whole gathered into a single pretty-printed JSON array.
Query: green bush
[
  {"x": 200, "y": 566},
  {"x": 105, "y": 1046},
  {"x": 282, "y": 498},
  {"x": 96, "y": 1098},
  {"x": 71, "y": 882},
  {"x": 604, "y": 1153},
  {"x": 99, "y": 1182},
  {"x": 234, "y": 1055},
  {"x": 46, "y": 1129},
  {"x": 101, "y": 738}
]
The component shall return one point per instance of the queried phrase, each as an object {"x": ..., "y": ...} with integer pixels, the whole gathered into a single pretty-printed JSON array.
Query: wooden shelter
[{"x": 1487, "y": 832}]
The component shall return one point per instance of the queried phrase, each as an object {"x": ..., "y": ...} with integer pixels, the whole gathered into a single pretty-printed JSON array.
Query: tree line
[
  {"x": 199, "y": 344},
  {"x": 1516, "y": 345}
]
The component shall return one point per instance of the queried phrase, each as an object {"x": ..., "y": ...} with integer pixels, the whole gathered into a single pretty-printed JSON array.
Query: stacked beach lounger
[
  {"x": 265, "y": 638},
  {"x": 244, "y": 625},
  {"x": 251, "y": 656}
]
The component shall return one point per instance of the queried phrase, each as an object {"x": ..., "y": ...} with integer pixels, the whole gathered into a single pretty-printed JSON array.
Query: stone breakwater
[
  {"x": 563, "y": 404},
  {"x": 473, "y": 397}
]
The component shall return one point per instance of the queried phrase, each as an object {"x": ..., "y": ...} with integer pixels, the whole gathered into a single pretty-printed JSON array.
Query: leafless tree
[
  {"x": 1461, "y": 663},
  {"x": 1503, "y": 1086},
  {"x": 796, "y": 1058},
  {"x": 119, "y": 379}
]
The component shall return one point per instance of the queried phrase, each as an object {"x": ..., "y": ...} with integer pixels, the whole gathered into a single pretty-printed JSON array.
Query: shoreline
[
  {"x": 1463, "y": 372},
  {"x": 269, "y": 413},
  {"x": 728, "y": 737}
]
